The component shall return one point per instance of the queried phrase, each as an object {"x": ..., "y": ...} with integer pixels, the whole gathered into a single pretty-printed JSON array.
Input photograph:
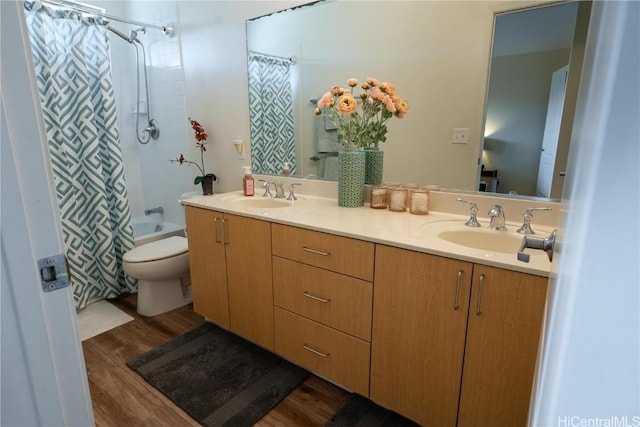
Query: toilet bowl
[{"x": 162, "y": 270}]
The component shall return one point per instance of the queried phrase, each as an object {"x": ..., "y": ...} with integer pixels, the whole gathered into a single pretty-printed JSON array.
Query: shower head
[{"x": 131, "y": 38}]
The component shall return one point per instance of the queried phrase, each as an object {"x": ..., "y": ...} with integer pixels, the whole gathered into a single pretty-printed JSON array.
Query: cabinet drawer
[
  {"x": 333, "y": 299},
  {"x": 341, "y": 254},
  {"x": 330, "y": 353}
]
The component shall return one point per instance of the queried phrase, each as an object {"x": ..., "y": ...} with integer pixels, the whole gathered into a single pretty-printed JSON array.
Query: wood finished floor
[{"x": 120, "y": 397}]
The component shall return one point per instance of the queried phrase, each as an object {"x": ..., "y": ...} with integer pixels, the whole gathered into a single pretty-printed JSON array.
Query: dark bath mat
[
  {"x": 359, "y": 411},
  {"x": 218, "y": 378}
]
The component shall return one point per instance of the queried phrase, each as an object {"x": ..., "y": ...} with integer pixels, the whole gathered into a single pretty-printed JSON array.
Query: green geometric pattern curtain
[
  {"x": 72, "y": 63},
  {"x": 271, "y": 114}
]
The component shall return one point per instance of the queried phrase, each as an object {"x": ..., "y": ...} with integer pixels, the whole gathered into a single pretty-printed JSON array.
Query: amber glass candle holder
[
  {"x": 398, "y": 199},
  {"x": 379, "y": 197},
  {"x": 419, "y": 201}
]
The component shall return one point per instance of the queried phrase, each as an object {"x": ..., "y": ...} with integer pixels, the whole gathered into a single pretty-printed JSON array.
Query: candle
[
  {"x": 419, "y": 203},
  {"x": 398, "y": 199}
]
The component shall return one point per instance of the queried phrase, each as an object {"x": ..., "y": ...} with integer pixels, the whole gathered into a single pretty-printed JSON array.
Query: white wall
[
  {"x": 591, "y": 360},
  {"x": 213, "y": 47}
]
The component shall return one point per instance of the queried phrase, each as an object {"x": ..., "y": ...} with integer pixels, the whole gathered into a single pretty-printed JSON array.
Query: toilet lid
[{"x": 159, "y": 249}]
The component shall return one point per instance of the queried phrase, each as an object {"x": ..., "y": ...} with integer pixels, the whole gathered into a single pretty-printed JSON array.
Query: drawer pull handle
[
  {"x": 313, "y": 251},
  {"x": 215, "y": 230},
  {"x": 315, "y": 298},
  {"x": 225, "y": 232},
  {"x": 456, "y": 304},
  {"x": 319, "y": 353},
  {"x": 478, "y": 312}
]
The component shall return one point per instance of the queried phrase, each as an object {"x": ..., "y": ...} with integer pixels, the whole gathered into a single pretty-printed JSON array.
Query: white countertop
[{"x": 402, "y": 230}]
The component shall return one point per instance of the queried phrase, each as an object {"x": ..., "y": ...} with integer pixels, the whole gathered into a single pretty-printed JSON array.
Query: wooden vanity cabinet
[
  {"x": 441, "y": 341},
  {"x": 435, "y": 364},
  {"x": 420, "y": 307},
  {"x": 323, "y": 301},
  {"x": 231, "y": 272},
  {"x": 505, "y": 322},
  {"x": 207, "y": 264}
]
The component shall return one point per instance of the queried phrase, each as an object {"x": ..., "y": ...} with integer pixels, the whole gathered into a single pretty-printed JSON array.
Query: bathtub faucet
[{"x": 154, "y": 210}]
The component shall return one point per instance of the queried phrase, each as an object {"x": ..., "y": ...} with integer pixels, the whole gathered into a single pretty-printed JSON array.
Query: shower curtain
[
  {"x": 271, "y": 114},
  {"x": 73, "y": 70}
]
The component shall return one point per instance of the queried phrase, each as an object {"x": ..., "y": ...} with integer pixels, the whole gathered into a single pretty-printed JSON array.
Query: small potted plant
[{"x": 205, "y": 179}]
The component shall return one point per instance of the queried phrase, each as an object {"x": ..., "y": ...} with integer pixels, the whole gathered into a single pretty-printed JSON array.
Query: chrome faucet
[
  {"x": 292, "y": 187},
  {"x": 497, "y": 221},
  {"x": 526, "y": 223},
  {"x": 159, "y": 210},
  {"x": 473, "y": 219},
  {"x": 277, "y": 185}
]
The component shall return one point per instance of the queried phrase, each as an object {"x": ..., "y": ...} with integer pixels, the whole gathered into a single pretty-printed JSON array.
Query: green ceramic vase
[
  {"x": 351, "y": 168},
  {"x": 374, "y": 161}
]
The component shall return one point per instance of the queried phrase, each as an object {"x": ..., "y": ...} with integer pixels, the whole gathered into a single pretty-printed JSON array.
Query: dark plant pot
[{"x": 207, "y": 184}]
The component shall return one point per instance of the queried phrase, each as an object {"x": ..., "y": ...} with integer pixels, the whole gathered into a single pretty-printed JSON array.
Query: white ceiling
[{"x": 535, "y": 30}]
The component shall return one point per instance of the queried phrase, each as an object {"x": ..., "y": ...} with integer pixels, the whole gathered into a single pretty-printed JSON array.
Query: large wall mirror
[{"x": 439, "y": 55}]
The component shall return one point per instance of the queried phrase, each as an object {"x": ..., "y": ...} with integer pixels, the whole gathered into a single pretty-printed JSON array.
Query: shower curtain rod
[
  {"x": 167, "y": 29},
  {"x": 291, "y": 59}
]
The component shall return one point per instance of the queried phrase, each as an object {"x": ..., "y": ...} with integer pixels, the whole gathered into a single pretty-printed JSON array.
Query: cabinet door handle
[
  {"x": 319, "y": 353},
  {"x": 315, "y": 298},
  {"x": 481, "y": 281},
  {"x": 313, "y": 251},
  {"x": 456, "y": 303},
  {"x": 215, "y": 230},
  {"x": 225, "y": 232}
]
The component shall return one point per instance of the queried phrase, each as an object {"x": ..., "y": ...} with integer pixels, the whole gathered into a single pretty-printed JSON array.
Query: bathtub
[{"x": 150, "y": 228}]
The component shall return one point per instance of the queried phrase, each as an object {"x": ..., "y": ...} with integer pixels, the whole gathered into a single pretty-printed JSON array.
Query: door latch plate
[{"x": 53, "y": 272}]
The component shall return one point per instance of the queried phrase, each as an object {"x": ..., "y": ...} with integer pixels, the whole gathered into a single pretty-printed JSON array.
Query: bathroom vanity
[{"x": 375, "y": 301}]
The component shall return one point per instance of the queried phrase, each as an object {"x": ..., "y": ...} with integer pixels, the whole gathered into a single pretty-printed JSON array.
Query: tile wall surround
[{"x": 151, "y": 179}]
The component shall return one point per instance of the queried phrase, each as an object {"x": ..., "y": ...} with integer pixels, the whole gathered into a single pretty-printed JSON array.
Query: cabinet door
[
  {"x": 420, "y": 308},
  {"x": 207, "y": 265},
  {"x": 248, "y": 252},
  {"x": 505, "y": 320}
]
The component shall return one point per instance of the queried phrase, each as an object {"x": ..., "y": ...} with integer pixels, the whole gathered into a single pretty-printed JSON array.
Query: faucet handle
[
  {"x": 266, "y": 185},
  {"x": 526, "y": 223},
  {"x": 292, "y": 188},
  {"x": 473, "y": 220}
]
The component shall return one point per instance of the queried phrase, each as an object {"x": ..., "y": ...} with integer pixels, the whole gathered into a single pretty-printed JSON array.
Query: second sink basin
[
  {"x": 263, "y": 203},
  {"x": 492, "y": 241}
]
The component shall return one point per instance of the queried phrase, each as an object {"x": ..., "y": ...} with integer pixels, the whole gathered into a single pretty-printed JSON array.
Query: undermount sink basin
[
  {"x": 487, "y": 240},
  {"x": 263, "y": 203}
]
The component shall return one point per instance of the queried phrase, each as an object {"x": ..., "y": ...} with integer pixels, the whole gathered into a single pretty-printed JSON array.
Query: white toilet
[{"x": 162, "y": 270}]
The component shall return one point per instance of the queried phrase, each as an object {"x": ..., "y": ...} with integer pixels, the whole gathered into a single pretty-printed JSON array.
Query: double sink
[{"x": 449, "y": 231}]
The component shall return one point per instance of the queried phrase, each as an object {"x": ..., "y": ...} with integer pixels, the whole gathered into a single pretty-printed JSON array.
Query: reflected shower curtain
[
  {"x": 72, "y": 64},
  {"x": 271, "y": 114}
]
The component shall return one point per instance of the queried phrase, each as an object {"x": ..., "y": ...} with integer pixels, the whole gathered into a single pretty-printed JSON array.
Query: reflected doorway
[{"x": 529, "y": 46}]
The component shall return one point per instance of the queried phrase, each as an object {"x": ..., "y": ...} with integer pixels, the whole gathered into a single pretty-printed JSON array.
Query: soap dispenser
[
  {"x": 247, "y": 182},
  {"x": 285, "y": 169}
]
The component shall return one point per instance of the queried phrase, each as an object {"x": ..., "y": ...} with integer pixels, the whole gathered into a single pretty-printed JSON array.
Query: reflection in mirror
[
  {"x": 439, "y": 62},
  {"x": 530, "y": 97}
]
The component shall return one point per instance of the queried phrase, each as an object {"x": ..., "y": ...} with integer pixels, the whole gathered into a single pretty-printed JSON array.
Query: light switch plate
[{"x": 460, "y": 135}]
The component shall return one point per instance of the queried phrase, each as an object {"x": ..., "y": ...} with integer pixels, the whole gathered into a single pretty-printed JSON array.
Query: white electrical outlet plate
[{"x": 460, "y": 135}]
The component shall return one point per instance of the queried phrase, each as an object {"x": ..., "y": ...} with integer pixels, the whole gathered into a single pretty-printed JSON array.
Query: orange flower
[
  {"x": 362, "y": 123},
  {"x": 347, "y": 104},
  {"x": 388, "y": 88}
]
